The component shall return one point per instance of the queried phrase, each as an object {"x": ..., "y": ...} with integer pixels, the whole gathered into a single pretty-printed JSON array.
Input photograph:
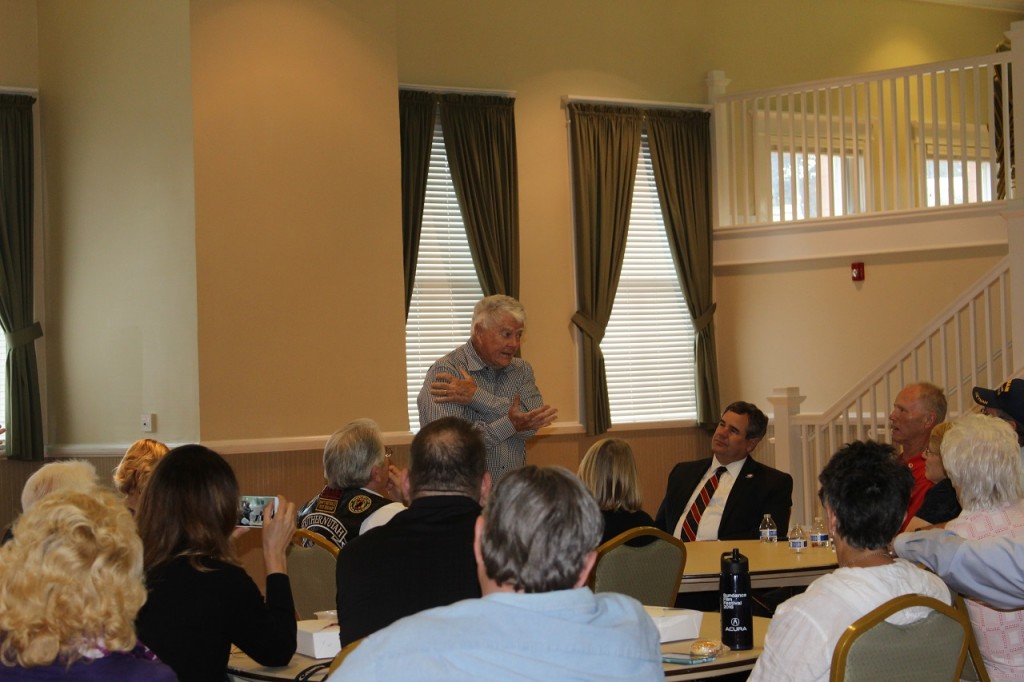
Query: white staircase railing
[{"x": 968, "y": 344}]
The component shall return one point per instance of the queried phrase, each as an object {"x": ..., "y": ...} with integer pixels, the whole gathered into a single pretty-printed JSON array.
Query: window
[
  {"x": 446, "y": 286},
  {"x": 972, "y": 170},
  {"x": 839, "y": 193},
  {"x": 648, "y": 344}
]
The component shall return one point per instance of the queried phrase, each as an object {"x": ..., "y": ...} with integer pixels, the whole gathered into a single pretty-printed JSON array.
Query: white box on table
[
  {"x": 318, "y": 639},
  {"x": 675, "y": 624}
]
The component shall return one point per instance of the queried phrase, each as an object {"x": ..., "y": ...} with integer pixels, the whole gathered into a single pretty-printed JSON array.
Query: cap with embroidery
[{"x": 1009, "y": 398}]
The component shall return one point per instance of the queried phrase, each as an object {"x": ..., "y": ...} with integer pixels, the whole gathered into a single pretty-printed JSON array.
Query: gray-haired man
[
  {"x": 535, "y": 546},
  {"x": 485, "y": 383},
  {"x": 359, "y": 485}
]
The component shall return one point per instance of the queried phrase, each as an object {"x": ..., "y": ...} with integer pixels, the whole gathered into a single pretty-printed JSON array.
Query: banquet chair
[
  {"x": 931, "y": 649},
  {"x": 312, "y": 560},
  {"x": 974, "y": 668},
  {"x": 649, "y": 572}
]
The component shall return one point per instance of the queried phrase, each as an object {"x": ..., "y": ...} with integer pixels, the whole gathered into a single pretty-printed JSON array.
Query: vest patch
[{"x": 359, "y": 504}]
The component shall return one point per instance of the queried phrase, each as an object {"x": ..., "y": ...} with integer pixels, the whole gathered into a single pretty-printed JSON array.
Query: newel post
[
  {"x": 720, "y": 212},
  {"x": 788, "y": 452},
  {"x": 1015, "y": 213}
]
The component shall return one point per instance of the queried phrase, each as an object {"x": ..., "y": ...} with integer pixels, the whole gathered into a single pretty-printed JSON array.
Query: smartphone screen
[{"x": 251, "y": 509}]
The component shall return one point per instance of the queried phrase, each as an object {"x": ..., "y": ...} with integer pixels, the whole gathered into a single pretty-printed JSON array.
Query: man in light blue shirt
[
  {"x": 989, "y": 570},
  {"x": 535, "y": 545}
]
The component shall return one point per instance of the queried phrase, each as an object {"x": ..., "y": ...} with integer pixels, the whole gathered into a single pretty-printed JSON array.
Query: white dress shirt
[{"x": 707, "y": 529}]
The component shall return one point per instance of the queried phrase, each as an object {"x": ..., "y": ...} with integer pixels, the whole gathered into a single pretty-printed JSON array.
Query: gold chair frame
[
  {"x": 877, "y": 617},
  {"x": 643, "y": 531}
]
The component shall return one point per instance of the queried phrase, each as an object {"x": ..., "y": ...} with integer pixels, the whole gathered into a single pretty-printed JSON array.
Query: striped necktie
[{"x": 699, "y": 505}]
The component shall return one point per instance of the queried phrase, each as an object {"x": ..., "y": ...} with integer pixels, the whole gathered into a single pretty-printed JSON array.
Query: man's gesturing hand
[
  {"x": 532, "y": 420},
  {"x": 450, "y": 389}
]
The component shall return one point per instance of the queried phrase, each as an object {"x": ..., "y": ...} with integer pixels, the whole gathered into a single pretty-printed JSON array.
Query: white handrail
[{"x": 968, "y": 344}]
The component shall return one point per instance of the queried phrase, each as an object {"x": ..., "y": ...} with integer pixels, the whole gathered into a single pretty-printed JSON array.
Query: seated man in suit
[
  {"x": 726, "y": 496},
  {"x": 423, "y": 557},
  {"x": 535, "y": 545}
]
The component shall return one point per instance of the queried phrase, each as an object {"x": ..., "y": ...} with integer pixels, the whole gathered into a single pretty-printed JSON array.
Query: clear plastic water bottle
[
  {"x": 819, "y": 536},
  {"x": 797, "y": 538},
  {"x": 769, "y": 532}
]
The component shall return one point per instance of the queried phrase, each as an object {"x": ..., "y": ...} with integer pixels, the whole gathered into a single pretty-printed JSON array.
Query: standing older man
[
  {"x": 359, "y": 476},
  {"x": 916, "y": 411},
  {"x": 485, "y": 383},
  {"x": 726, "y": 496},
  {"x": 535, "y": 546}
]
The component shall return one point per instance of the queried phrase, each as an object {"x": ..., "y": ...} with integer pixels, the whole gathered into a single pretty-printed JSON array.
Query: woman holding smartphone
[{"x": 201, "y": 601}]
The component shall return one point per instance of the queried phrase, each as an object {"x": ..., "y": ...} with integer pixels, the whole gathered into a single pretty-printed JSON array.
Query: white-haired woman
[{"x": 982, "y": 459}]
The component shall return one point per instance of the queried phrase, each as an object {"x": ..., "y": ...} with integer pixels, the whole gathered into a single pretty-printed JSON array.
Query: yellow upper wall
[
  {"x": 298, "y": 217},
  {"x": 19, "y": 47},
  {"x": 223, "y": 177}
]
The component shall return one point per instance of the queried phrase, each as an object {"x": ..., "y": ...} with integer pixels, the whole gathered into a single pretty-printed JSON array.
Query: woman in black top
[
  {"x": 940, "y": 503},
  {"x": 201, "y": 601},
  {"x": 609, "y": 472}
]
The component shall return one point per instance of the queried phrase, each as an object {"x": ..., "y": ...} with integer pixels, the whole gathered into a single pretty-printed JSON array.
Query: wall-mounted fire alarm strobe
[{"x": 857, "y": 272}]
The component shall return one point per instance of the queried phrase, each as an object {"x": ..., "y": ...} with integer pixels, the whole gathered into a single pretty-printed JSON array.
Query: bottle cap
[{"x": 733, "y": 562}]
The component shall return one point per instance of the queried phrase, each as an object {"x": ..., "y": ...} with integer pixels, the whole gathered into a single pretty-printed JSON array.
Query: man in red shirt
[{"x": 916, "y": 411}]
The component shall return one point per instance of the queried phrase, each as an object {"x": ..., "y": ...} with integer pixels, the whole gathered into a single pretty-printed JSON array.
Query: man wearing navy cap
[{"x": 1005, "y": 402}]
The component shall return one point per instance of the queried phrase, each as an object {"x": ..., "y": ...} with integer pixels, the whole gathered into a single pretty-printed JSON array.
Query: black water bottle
[{"x": 737, "y": 619}]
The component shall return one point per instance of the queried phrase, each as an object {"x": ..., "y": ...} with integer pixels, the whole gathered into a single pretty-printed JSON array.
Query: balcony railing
[{"x": 904, "y": 139}]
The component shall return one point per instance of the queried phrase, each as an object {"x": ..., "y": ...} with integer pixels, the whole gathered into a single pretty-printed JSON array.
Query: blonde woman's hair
[
  {"x": 936, "y": 436},
  {"x": 70, "y": 580},
  {"x": 981, "y": 456},
  {"x": 70, "y": 475},
  {"x": 609, "y": 472},
  {"x": 135, "y": 468}
]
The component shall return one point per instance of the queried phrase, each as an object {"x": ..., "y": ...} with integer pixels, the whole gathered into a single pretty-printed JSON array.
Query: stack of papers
[
  {"x": 318, "y": 638},
  {"x": 675, "y": 624}
]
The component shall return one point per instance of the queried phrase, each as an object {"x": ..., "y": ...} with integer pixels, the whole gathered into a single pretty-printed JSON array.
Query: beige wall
[
  {"x": 298, "y": 217},
  {"x": 223, "y": 202},
  {"x": 807, "y": 324},
  {"x": 120, "y": 259}
]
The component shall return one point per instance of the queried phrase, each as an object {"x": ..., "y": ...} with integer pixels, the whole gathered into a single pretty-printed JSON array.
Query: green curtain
[
  {"x": 24, "y": 416},
  {"x": 605, "y": 147},
  {"x": 681, "y": 156},
  {"x": 416, "y": 117},
  {"x": 480, "y": 141}
]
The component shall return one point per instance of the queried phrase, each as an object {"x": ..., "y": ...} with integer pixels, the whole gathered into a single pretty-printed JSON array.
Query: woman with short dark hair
[{"x": 864, "y": 491}]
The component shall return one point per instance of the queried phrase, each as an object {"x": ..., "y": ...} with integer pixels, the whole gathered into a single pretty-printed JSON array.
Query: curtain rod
[
  {"x": 634, "y": 102},
  {"x": 18, "y": 91},
  {"x": 456, "y": 91}
]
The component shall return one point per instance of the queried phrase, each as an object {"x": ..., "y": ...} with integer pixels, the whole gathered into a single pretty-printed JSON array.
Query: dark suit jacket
[
  {"x": 759, "y": 490},
  {"x": 420, "y": 559}
]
